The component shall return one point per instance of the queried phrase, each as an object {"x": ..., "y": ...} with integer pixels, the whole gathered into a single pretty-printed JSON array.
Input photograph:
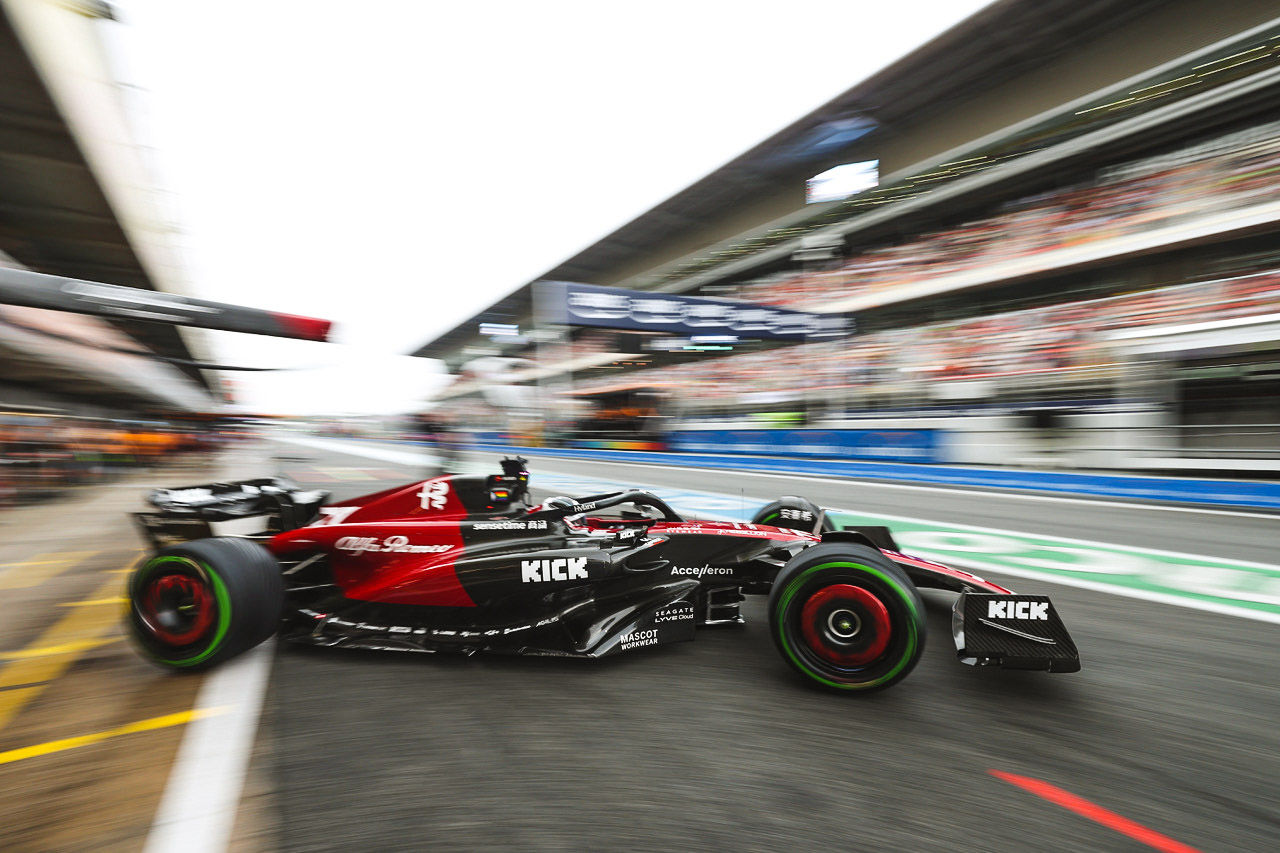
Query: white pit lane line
[
  {"x": 198, "y": 809},
  {"x": 369, "y": 451}
]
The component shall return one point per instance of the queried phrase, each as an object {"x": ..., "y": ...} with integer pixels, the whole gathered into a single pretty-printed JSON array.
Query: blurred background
[
  {"x": 1047, "y": 248},
  {"x": 932, "y": 239},
  {"x": 1072, "y": 275}
]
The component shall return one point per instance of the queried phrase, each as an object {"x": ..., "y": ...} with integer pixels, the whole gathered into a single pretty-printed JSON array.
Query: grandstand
[{"x": 1068, "y": 260}]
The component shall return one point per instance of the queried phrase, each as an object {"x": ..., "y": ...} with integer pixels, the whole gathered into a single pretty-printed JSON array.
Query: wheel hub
[
  {"x": 177, "y": 608},
  {"x": 846, "y": 625}
]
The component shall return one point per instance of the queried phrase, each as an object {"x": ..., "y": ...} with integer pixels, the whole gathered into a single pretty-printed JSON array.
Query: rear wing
[{"x": 259, "y": 507}]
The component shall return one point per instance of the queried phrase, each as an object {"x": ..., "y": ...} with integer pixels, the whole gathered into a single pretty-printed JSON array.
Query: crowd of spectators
[
  {"x": 41, "y": 455},
  {"x": 1229, "y": 172},
  {"x": 1080, "y": 340},
  {"x": 1232, "y": 171},
  {"x": 917, "y": 363}
]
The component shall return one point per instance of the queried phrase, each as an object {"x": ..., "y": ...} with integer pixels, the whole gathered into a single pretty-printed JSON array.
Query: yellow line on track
[
  {"x": 62, "y": 649},
  {"x": 29, "y": 674},
  {"x": 55, "y": 564},
  {"x": 152, "y": 724},
  {"x": 95, "y": 602}
]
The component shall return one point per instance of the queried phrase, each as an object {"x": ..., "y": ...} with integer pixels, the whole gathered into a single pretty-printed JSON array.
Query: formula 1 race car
[{"x": 464, "y": 564}]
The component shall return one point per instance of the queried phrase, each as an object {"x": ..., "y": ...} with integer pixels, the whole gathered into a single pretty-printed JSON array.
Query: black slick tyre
[
  {"x": 197, "y": 604},
  {"x": 846, "y": 618},
  {"x": 793, "y": 513}
]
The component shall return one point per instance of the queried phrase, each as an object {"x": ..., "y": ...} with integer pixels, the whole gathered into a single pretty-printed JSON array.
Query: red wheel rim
[
  {"x": 845, "y": 625},
  {"x": 177, "y": 608}
]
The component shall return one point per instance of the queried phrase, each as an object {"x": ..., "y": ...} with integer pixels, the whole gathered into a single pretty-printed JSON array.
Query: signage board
[{"x": 570, "y": 304}]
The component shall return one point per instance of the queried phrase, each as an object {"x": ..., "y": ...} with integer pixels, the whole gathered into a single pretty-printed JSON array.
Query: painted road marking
[
  {"x": 62, "y": 649},
  {"x": 152, "y": 724},
  {"x": 1207, "y": 583},
  {"x": 28, "y": 573},
  {"x": 1232, "y": 587},
  {"x": 385, "y": 454},
  {"x": 95, "y": 602},
  {"x": 1095, "y": 813},
  {"x": 23, "y": 686},
  {"x": 198, "y": 809},
  {"x": 35, "y": 672}
]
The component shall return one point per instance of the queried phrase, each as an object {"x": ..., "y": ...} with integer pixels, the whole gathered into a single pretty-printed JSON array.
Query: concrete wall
[
  {"x": 1111, "y": 440},
  {"x": 1105, "y": 440}
]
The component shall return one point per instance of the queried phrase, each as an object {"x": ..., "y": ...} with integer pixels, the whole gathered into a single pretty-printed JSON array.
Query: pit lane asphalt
[{"x": 716, "y": 744}]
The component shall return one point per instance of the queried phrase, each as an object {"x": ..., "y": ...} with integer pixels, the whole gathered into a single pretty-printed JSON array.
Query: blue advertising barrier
[
  {"x": 889, "y": 445},
  {"x": 1239, "y": 493},
  {"x": 893, "y": 445}
]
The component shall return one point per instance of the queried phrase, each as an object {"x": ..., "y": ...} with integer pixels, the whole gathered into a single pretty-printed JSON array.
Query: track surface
[
  {"x": 714, "y": 743},
  {"x": 88, "y": 730}
]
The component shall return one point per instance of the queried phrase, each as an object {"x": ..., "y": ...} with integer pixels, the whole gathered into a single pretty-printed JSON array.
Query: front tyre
[
  {"x": 845, "y": 617},
  {"x": 794, "y": 513},
  {"x": 199, "y": 603}
]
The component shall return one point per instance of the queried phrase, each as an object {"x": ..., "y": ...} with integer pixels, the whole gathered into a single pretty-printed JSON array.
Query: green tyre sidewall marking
[
  {"x": 224, "y": 610},
  {"x": 770, "y": 517},
  {"x": 794, "y": 585}
]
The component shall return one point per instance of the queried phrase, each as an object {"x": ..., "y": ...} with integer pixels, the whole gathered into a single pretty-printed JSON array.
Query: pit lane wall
[
  {"x": 1126, "y": 440},
  {"x": 899, "y": 445},
  {"x": 1072, "y": 438},
  {"x": 894, "y": 445}
]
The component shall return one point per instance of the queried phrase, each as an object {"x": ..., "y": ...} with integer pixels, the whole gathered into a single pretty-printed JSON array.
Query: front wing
[{"x": 1013, "y": 632}]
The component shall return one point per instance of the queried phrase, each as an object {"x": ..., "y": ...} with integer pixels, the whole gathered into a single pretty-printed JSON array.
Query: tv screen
[{"x": 840, "y": 182}]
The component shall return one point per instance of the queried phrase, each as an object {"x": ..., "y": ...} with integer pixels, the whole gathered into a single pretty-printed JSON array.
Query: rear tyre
[
  {"x": 200, "y": 603},
  {"x": 846, "y": 618},
  {"x": 793, "y": 513}
]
